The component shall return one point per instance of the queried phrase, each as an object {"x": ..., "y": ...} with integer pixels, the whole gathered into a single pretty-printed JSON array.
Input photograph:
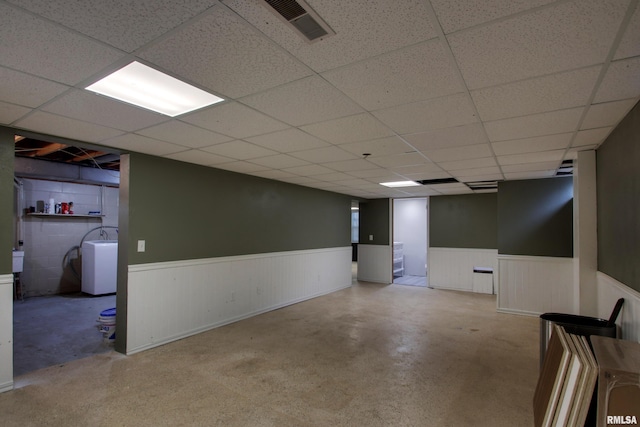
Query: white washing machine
[{"x": 99, "y": 266}]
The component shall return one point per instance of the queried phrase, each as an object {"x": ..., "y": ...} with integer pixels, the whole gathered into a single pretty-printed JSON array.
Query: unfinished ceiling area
[
  {"x": 63, "y": 153},
  {"x": 465, "y": 91}
]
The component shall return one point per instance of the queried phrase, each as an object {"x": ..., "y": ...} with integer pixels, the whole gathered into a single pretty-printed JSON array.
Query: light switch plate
[{"x": 141, "y": 245}]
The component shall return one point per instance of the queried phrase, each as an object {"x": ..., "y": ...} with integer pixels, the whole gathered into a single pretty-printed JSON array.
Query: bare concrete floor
[
  {"x": 370, "y": 355},
  {"x": 56, "y": 329}
]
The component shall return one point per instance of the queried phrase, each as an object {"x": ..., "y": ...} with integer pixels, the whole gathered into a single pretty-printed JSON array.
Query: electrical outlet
[
  {"x": 141, "y": 245},
  {"x": 370, "y": 236}
]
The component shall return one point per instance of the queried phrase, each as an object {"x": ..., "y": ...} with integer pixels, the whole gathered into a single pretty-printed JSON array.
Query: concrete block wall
[{"x": 48, "y": 239}]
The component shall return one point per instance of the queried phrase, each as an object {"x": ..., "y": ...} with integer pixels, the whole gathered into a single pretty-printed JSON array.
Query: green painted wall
[
  {"x": 375, "y": 215},
  {"x": 184, "y": 211},
  {"x": 535, "y": 217},
  {"x": 464, "y": 221},
  {"x": 6, "y": 195},
  {"x": 618, "y": 188}
]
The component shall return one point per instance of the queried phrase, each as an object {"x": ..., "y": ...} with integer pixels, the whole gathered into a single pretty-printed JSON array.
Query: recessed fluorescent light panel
[
  {"x": 396, "y": 184},
  {"x": 145, "y": 87}
]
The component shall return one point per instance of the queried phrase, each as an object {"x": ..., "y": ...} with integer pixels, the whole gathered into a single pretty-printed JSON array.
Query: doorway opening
[
  {"x": 66, "y": 202},
  {"x": 410, "y": 241}
]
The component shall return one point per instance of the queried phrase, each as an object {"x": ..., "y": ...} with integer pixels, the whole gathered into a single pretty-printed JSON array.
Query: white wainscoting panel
[
  {"x": 375, "y": 263},
  {"x": 535, "y": 285},
  {"x": 6, "y": 332},
  {"x": 452, "y": 268},
  {"x": 172, "y": 300},
  {"x": 609, "y": 291}
]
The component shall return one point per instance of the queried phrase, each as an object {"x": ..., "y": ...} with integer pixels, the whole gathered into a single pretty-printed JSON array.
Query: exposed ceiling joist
[
  {"x": 88, "y": 155},
  {"x": 51, "y": 148}
]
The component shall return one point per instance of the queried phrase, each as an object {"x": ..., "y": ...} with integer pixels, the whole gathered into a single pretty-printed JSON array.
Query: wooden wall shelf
[{"x": 46, "y": 215}]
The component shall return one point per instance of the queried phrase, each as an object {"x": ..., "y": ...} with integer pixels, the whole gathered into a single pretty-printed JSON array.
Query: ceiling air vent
[
  {"x": 483, "y": 186},
  {"x": 301, "y": 17},
  {"x": 566, "y": 168}
]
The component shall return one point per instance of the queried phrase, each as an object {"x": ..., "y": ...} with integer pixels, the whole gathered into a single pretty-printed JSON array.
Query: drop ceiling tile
[
  {"x": 90, "y": 107},
  {"x": 279, "y": 161},
  {"x": 221, "y": 52},
  {"x": 324, "y": 155},
  {"x": 543, "y": 156},
  {"x": 241, "y": 167},
  {"x": 142, "y": 144},
  {"x": 457, "y": 190},
  {"x": 273, "y": 174},
  {"x": 10, "y": 113},
  {"x": 531, "y": 167},
  {"x": 356, "y": 24},
  {"x": 125, "y": 24},
  {"x": 421, "y": 191},
  {"x": 398, "y": 160},
  {"x": 607, "y": 114},
  {"x": 478, "y": 178},
  {"x": 530, "y": 145},
  {"x": 199, "y": 157},
  {"x": 182, "y": 133},
  {"x": 310, "y": 170},
  {"x": 468, "y": 164},
  {"x": 239, "y": 150},
  {"x": 422, "y": 116},
  {"x": 300, "y": 180},
  {"x": 426, "y": 168},
  {"x": 364, "y": 194},
  {"x": 29, "y": 91},
  {"x": 328, "y": 186},
  {"x": 350, "y": 165},
  {"x": 459, "y": 153},
  {"x": 68, "y": 128},
  {"x": 411, "y": 74},
  {"x": 591, "y": 136},
  {"x": 537, "y": 95},
  {"x": 621, "y": 81},
  {"x": 566, "y": 36},
  {"x": 52, "y": 50},
  {"x": 467, "y": 173},
  {"x": 375, "y": 186},
  {"x": 332, "y": 177},
  {"x": 630, "y": 43},
  {"x": 424, "y": 176},
  {"x": 534, "y": 125},
  {"x": 234, "y": 119},
  {"x": 375, "y": 182},
  {"x": 359, "y": 127},
  {"x": 370, "y": 173},
  {"x": 530, "y": 175},
  {"x": 354, "y": 183},
  {"x": 303, "y": 102},
  {"x": 378, "y": 147},
  {"x": 288, "y": 141},
  {"x": 455, "y": 15},
  {"x": 448, "y": 137}
]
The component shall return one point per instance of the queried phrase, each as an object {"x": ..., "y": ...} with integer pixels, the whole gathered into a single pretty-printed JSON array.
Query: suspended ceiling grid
[{"x": 476, "y": 90}]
